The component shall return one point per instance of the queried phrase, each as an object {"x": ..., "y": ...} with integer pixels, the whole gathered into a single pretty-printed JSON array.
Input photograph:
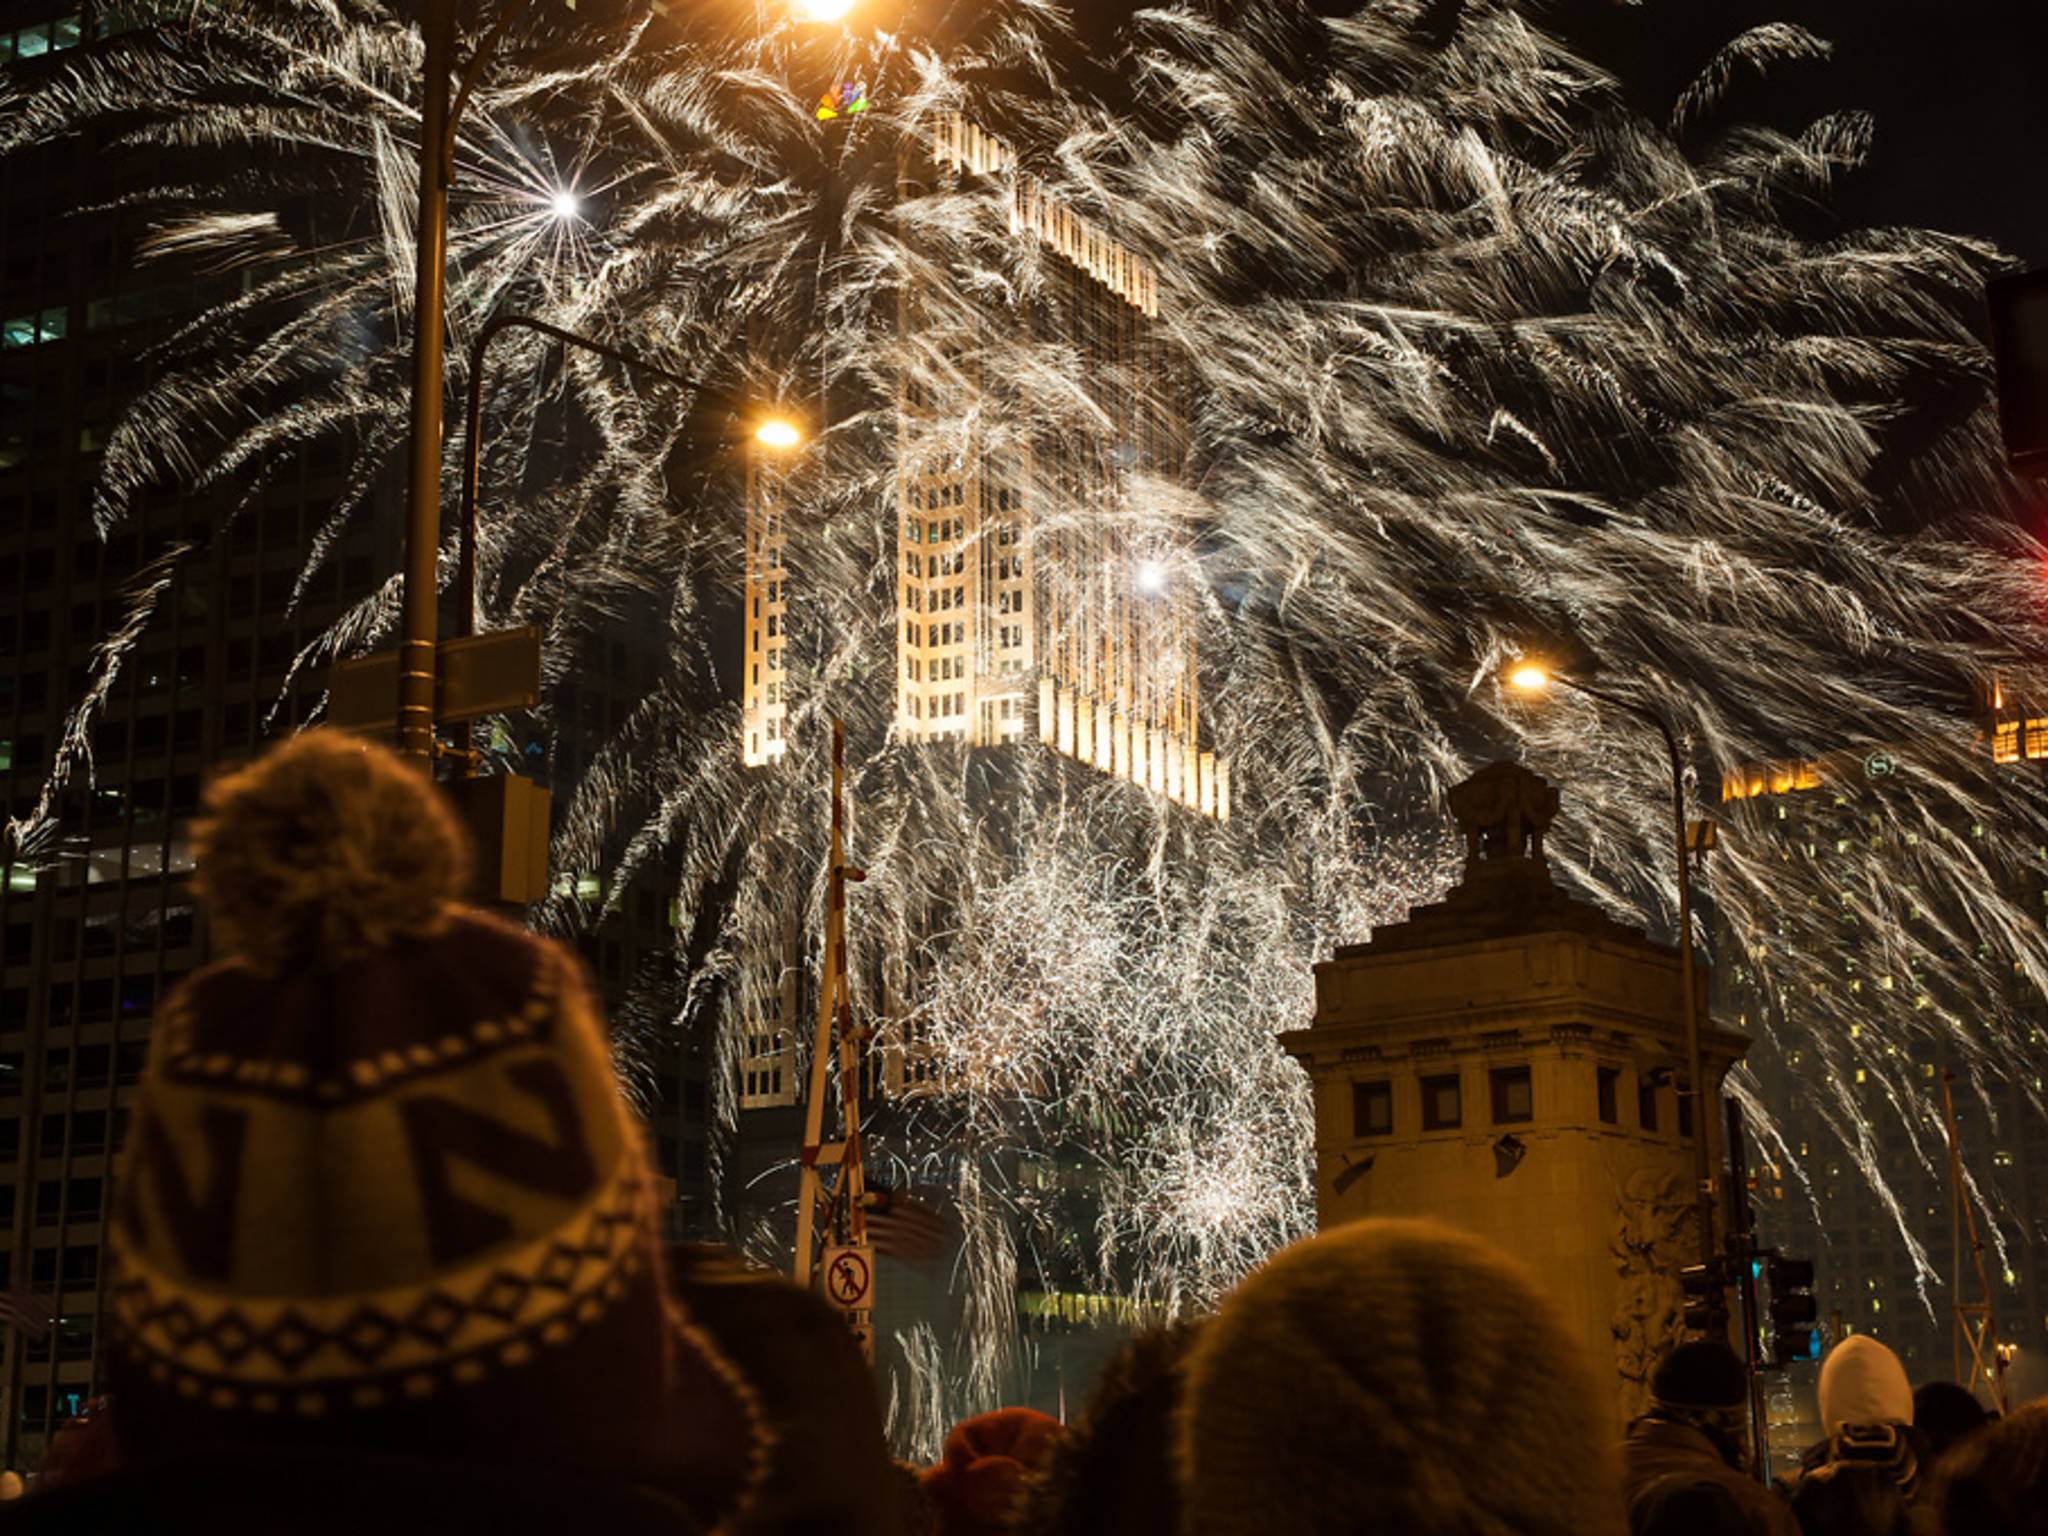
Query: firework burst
[{"x": 1482, "y": 365}]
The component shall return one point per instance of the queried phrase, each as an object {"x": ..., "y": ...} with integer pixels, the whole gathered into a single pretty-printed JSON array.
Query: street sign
[
  {"x": 850, "y": 1277},
  {"x": 480, "y": 675}
]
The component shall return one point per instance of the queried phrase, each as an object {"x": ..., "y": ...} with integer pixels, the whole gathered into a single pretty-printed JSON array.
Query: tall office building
[
  {"x": 97, "y": 920},
  {"x": 1037, "y": 594},
  {"x": 1886, "y": 1259}
]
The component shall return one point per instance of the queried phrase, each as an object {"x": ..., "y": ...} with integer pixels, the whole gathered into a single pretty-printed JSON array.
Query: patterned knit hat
[
  {"x": 1393, "y": 1376},
  {"x": 380, "y": 1189}
]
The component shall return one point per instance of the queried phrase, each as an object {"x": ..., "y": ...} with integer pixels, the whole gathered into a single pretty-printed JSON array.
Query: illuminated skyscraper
[
  {"x": 763, "y": 677},
  {"x": 1043, "y": 576}
]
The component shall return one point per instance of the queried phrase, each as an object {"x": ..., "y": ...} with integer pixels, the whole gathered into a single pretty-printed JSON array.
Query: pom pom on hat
[
  {"x": 322, "y": 850},
  {"x": 982, "y": 1468}
]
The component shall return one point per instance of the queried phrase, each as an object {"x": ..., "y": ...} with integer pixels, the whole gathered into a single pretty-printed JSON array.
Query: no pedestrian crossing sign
[{"x": 850, "y": 1277}]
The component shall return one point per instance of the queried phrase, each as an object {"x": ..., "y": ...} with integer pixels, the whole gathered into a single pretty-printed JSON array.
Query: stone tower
[{"x": 1509, "y": 1060}]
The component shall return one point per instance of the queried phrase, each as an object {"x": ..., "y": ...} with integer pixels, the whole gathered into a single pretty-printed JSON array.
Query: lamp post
[
  {"x": 1535, "y": 679},
  {"x": 440, "y": 113},
  {"x": 420, "y": 615},
  {"x": 775, "y": 433}
]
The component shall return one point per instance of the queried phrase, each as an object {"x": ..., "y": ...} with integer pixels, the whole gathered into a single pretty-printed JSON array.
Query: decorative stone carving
[
  {"x": 1652, "y": 1231},
  {"x": 1503, "y": 810}
]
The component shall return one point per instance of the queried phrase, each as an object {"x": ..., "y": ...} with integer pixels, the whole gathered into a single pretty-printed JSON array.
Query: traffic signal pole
[{"x": 1742, "y": 1253}]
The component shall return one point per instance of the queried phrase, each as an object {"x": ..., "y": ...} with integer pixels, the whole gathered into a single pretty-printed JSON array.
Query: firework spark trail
[{"x": 1485, "y": 365}]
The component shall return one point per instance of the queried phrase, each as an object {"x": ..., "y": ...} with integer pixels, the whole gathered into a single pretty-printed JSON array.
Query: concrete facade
[{"x": 1510, "y": 1060}]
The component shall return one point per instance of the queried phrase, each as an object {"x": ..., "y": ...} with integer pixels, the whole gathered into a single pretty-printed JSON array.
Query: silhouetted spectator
[
  {"x": 82, "y": 1448},
  {"x": 982, "y": 1468},
  {"x": 1113, "y": 1474},
  {"x": 1394, "y": 1376},
  {"x": 829, "y": 1468},
  {"x": 1945, "y": 1413},
  {"x": 1685, "y": 1461},
  {"x": 1995, "y": 1482},
  {"x": 1861, "y": 1479},
  {"x": 381, "y": 1192}
]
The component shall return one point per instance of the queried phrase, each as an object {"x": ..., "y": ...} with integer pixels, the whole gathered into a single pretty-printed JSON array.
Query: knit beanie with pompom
[
  {"x": 1393, "y": 1376},
  {"x": 381, "y": 1191}
]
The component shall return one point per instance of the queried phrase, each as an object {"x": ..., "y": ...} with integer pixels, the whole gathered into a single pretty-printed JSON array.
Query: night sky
[{"x": 1959, "y": 89}]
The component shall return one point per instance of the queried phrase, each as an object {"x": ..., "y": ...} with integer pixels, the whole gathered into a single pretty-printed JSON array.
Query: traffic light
[
  {"x": 1706, "y": 1297},
  {"x": 1793, "y": 1310}
]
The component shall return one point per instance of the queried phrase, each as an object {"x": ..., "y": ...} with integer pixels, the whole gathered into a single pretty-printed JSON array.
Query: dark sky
[{"x": 1959, "y": 89}]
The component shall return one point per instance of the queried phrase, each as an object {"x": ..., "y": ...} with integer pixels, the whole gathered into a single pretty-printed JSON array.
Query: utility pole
[
  {"x": 835, "y": 1219},
  {"x": 1972, "y": 1321}
]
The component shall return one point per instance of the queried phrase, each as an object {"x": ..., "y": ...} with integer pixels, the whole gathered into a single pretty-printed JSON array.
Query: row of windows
[
  {"x": 948, "y": 494},
  {"x": 61, "y": 33},
  {"x": 942, "y": 706},
  {"x": 86, "y": 1130},
  {"x": 1511, "y": 1100},
  {"x": 953, "y": 632},
  {"x": 943, "y": 669}
]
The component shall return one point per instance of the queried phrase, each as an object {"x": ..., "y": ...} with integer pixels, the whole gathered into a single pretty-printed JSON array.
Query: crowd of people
[{"x": 385, "y": 1255}]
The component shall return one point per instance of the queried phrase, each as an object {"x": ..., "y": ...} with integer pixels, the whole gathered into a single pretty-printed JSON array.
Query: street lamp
[
  {"x": 824, "y": 10},
  {"x": 776, "y": 433},
  {"x": 1534, "y": 679}
]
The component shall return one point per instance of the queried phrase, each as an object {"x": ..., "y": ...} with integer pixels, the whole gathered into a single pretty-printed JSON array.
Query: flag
[{"x": 904, "y": 1227}]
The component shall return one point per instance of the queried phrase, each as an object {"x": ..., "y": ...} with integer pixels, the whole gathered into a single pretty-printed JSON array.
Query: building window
[
  {"x": 1514, "y": 1096},
  {"x": 1684, "y": 1112},
  {"x": 1609, "y": 1080},
  {"x": 1372, "y": 1109},
  {"x": 1646, "y": 1104},
  {"x": 1441, "y": 1107}
]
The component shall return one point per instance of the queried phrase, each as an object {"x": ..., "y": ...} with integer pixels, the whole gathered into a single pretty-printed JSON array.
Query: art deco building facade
[{"x": 1037, "y": 595}]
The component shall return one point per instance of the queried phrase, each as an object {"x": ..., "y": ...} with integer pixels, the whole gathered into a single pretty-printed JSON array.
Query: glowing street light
[
  {"x": 1531, "y": 679},
  {"x": 565, "y": 204},
  {"x": 824, "y": 10},
  {"x": 777, "y": 434},
  {"x": 1151, "y": 577}
]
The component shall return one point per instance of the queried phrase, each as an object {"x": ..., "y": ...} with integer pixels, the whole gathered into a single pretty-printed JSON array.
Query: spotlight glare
[
  {"x": 1531, "y": 678},
  {"x": 1151, "y": 577},
  {"x": 565, "y": 204},
  {"x": 777, "y": 434},
  {"x": 824, "y": 10}
]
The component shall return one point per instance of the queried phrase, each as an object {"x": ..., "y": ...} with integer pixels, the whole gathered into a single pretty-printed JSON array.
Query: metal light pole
[
  {"x": 420, "y": 617},
  {"x": 773, "y": 433},
  {"x": 1703, "y": 1190}
]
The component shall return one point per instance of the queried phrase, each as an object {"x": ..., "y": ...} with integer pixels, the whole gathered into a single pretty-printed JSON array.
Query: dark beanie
[
  {"x": 1702, "y": 1374},
  {"x": 1392, "y": 1375},
  {"x": 1944, "y": 1413},
  {"x": 381, "y": 1190}
]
